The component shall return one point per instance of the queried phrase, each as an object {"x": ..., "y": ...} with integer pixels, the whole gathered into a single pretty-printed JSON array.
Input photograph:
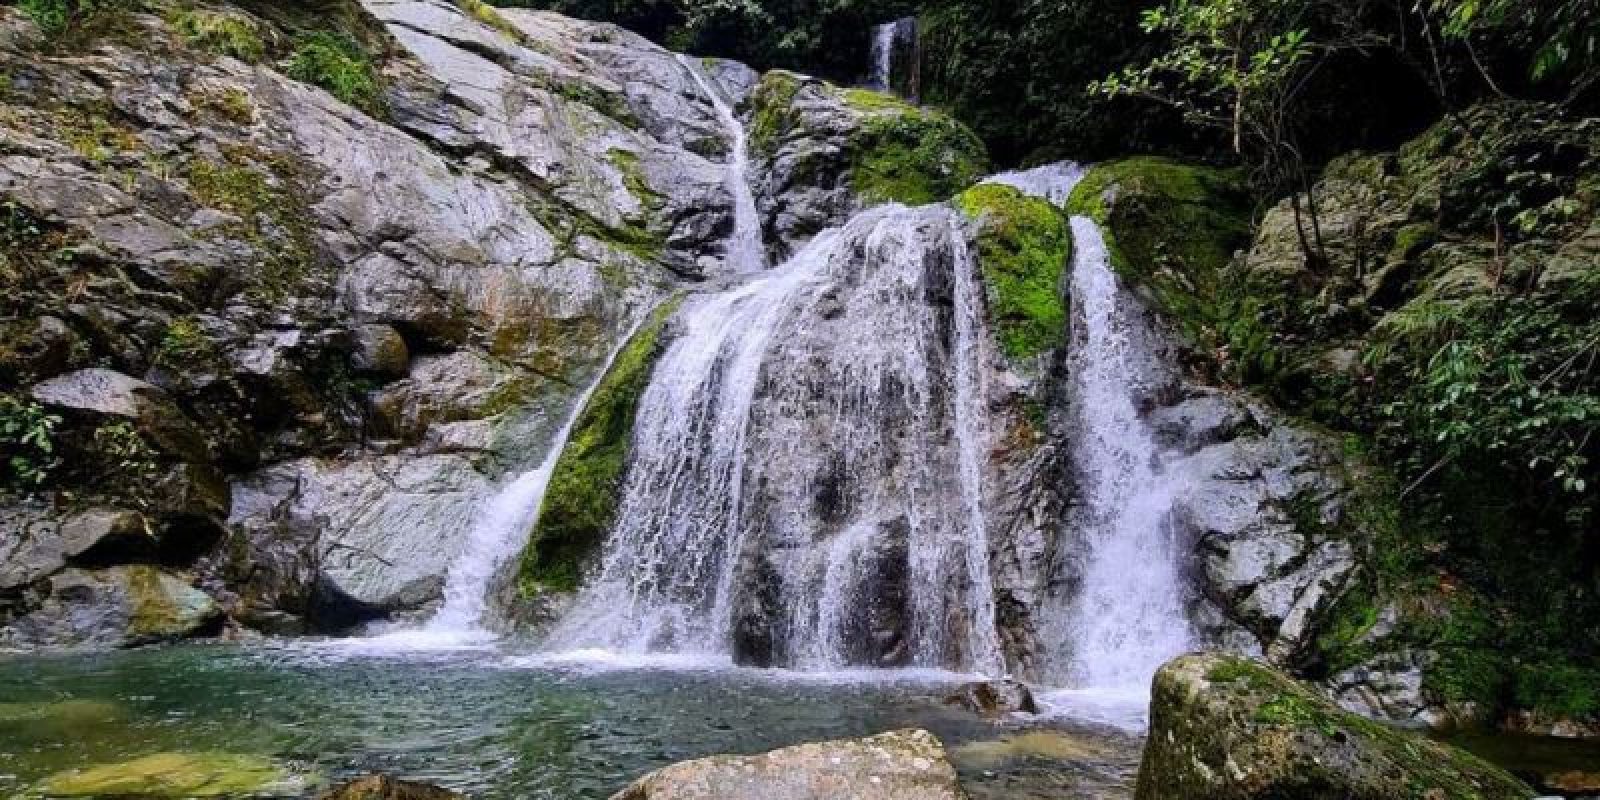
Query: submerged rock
[
  {"x": 1224, "y": 727},
  {"x": 992, "y": 698},
  {"x": 383, "y": 787},
  {"x": 175, "y": 775},
  {"x": 901, "y": 765}
]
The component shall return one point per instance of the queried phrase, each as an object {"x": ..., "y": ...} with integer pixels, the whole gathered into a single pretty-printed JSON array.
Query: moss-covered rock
[
  {"x": 1172, "y": 229},
  {"x": 1225, "y": 728},
  {"x": 581, "y": 499},
  {"x": 905, "y": 154},
  {"x": 175, "y": 775},
  {"x": 1023, "y": 248}
]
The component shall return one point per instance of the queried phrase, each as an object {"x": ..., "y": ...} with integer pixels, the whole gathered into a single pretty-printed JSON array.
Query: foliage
[
  {"x": 27, "y": 442},
  {"x": 130, "y": 461},
  {"x": 335, "y": 61},
  {"x": 1498, "y": 382},
  {"x": 222, "y": 33},
  {"x": 58, "y": 17},
  {"x": 581, "y": 500},
  {"x": 267, "y": 194},
  {"x": 825, "y": 37},
  {"x": 1023, "y": 246},
  {"x": 1558, "y": 41}
]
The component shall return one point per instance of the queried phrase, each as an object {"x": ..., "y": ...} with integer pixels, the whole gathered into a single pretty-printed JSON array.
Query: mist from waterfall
[
  {"x": 746, "y": 249},
  {"x": 808, "y": 465}
]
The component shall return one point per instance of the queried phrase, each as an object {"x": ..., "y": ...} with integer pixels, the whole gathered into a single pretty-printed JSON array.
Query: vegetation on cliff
[
  {"x": 580, "y": 502},
  {"x": 1023, "y": 247}
]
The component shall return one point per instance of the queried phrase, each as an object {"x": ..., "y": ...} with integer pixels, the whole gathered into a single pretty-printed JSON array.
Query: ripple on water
[{"x": 495, "y": 723}]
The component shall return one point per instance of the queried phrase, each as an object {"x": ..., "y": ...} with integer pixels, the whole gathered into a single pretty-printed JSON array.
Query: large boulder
[
  {"x": 902, "y": 765},
  {"x": 117, "y": 607},
  {"x": 1226, "y": 728},
  {"x": 993, "y": 698}
]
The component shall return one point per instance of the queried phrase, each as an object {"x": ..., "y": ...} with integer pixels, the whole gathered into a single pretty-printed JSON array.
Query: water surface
[{"x": 499, "y": 725}]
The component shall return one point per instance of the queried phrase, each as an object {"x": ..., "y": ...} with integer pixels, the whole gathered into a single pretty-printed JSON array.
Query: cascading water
[
  {"x": 806, "y": 482},
  {"x": 887, "y": 40},
  {"x": 499, "y": 531},
  {"x": 1127, "y": 616},
  {"x": 746, "y": 250}
]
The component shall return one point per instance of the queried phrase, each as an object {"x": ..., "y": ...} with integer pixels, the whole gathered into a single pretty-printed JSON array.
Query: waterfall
[
  {"x": 746, "y": 250},
  {"x": 806, "y": 482},
  {"x": 1127, "y": 616},
  {"x": 887, "y": 41},
  {"x": 500, "y": 530}
]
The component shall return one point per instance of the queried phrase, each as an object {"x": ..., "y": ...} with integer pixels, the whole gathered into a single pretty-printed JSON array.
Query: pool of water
[{"x": 498, "y": 724}]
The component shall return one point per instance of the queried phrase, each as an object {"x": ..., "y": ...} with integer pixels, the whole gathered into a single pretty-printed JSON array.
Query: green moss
[
  {"x": 230, "y": 102},
  {"x": 1557, "y": 688},
  {"x": 488, "y": 15},
  {"x": 633, "y": 178},
  {"x": 73, "y": 22},
  {"x": 269, "y": 195},
  {"x": 914, "y": 156},
  {"x": 774, "y": 114},
  {"x": 1023, "y": 248},
  {"x": 581, "y": 500},
  {"x": 336, "y": 62},
  {"x": 220, "y": 33},
  {"x": 1173, "y": 229}
]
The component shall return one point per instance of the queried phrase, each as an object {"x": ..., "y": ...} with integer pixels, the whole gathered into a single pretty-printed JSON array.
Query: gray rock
[
  {"x": 383, "y": 787},
  {"x": 903, "y": 765},
  {"x": 37, "y": 542},
  {"x": 117, "y": 607},
  {"x": 101, "y": 391},
  {"x": 381, "y": 351}
]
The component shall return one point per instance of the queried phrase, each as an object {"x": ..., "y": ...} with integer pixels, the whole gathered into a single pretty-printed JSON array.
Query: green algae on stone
[
  {"x": 772, "y": 102},
  {"x": 581, "y": 500},
  {"x": 175, "y": 775},
  {"x": 163, "y": 607},
  {"x": 1023, "y": 247}
]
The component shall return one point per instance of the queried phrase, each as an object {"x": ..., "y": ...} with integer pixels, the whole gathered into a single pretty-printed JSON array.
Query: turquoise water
[{"x": 497, "y": 725}]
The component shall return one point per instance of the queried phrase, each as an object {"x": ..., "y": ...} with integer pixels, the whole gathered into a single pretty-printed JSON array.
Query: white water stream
[{"x": 746, "y": 250}]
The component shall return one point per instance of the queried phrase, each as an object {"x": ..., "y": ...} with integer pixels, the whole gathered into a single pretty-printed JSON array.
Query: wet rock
[
  {"x": 383, "y": 787},
  {"x": 38, "y": 542},
  {"x": 122, "y": 606},
  {"x": 992, "y": 698},
  {"x": 1225, "y": 727},
  {"x": 381, "y": 351},
  {"x": 175, "y": 775},
  {"x": 903, "y": 765}
]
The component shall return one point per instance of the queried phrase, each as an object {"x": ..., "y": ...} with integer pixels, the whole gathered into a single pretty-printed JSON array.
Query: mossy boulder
[
  {"x": 581, "y": 499},
  {"x": 383, "y": 787},
  {"x": 175, "y": 775},
  {"x": 1226, "y": 728},
  {"x": 1172, "y": 229},
  {"x": 1023, "y": 247},
  {"x": 124, "y": 606},
  {"x": 911, "y": 155}
]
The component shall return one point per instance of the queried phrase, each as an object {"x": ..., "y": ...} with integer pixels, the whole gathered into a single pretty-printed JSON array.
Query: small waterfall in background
[
  {"x": 746, "y": 250},
  {"x": 1127, "y": 617},
  {"x": 889, "y": 42},
  {"x": 806, "y": 482}
]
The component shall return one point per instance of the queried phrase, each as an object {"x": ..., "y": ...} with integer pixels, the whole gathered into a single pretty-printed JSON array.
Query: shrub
[
  {"x": 57, "y": 17},
  {"x": 221, "y": 33},
  {"x": 27, "y": 442},
  {"x": 337, "y": 63}
]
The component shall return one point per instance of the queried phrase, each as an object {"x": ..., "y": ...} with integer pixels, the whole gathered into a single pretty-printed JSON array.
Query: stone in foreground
[
  {"x": 901, "y": 765},
  {"x": 383, "y": 787},
  {"x": 1226, "y": 728},
  {"x": 993, "y": 698}
]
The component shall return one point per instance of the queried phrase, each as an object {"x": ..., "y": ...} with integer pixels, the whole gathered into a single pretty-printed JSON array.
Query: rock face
[
  {"x": 1223, "y": 727},
  {"x": 904, "y": 765}
]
